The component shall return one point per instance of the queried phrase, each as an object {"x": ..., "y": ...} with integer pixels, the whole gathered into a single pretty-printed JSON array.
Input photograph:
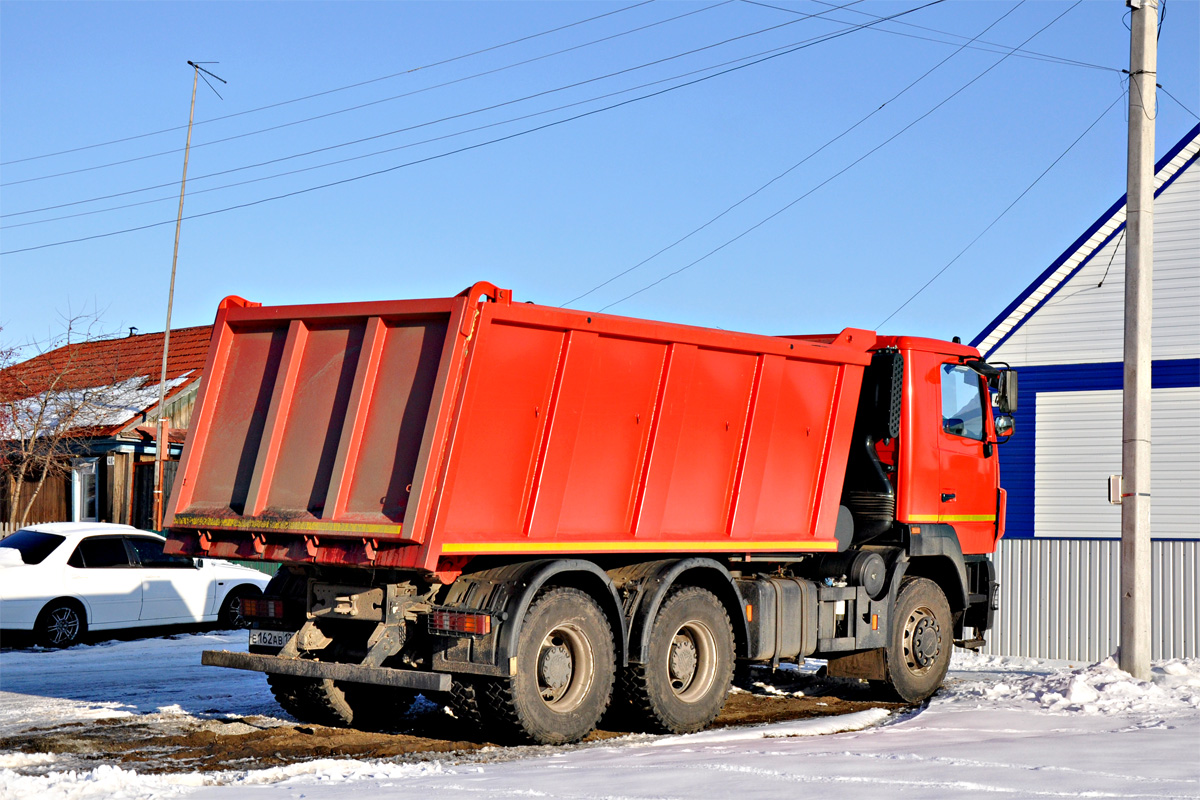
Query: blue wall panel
[{"x": 1017, "y": 459}]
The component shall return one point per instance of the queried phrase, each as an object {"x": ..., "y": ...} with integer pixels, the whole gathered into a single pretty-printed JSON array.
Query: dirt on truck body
[{"x": 538, "y": 513}]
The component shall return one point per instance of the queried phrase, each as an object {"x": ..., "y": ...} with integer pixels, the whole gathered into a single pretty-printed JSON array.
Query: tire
[
  {"x": 921, "y": 641},
  {"x": 689, "y": 665},
  {"x": 321, "y": 701},
  {"x": 61, "y": 624},
  {"x": 565, "y": 672},
  {"x": 230, "y": 615}
]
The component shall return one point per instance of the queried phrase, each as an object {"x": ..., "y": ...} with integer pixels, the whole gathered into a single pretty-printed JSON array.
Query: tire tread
[{"x": 634, "y": 681}]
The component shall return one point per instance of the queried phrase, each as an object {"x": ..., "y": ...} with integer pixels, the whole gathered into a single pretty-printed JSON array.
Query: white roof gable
[{"x": 1074, "y": 312}]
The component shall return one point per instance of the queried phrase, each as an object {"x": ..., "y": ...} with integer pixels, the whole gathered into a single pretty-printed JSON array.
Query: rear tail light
[
  {"x": 263, "y": 607},
  {"x": 444, "y": 622}
]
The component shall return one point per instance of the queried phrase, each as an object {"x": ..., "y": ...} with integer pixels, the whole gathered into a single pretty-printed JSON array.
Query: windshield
[{"x": 33, "y": 546}]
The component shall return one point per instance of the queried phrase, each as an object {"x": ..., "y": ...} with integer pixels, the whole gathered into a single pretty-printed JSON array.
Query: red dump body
[{"x": 417, "y": 433}]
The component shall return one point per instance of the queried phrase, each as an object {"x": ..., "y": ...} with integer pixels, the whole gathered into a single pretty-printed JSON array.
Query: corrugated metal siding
[
  {"x": 1079, "y": 445},
  {"x": 1083, "y": 322},
  {"x": 1059, "y": 599}
]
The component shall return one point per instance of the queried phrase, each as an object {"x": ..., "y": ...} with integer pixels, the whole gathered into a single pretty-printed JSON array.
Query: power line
[
  {"x": 475, "y": 146},
  {"x": 361, "y": 106},
  {"x": 793, "y": 167},
  {"x": 1178, "y": 102},
  {"x": 841, "y": 171},
  {"x": 577, "y": 84},
  {"x": 338, "y": 89},
  {"x": 1001, "y": 214},
  {"x": 974, "y": 43},
  {"x": 372, "y": 154}
]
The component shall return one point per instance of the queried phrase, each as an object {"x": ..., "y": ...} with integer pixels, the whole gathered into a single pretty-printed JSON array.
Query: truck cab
[{"x": 948, "y": 466}]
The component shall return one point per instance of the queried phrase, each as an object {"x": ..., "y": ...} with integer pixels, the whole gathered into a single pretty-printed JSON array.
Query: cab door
[{"x": 968, "y": 467}]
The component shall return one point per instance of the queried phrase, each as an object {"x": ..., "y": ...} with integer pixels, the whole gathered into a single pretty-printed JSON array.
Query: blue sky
[{"x": 555, "y": 212}]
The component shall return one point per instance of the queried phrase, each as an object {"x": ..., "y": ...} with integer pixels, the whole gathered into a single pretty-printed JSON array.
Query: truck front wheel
[
  {"x": 683, "y": 684},
  {"x": 565, "y": 671},
  {"x": 922, "y": 638}
]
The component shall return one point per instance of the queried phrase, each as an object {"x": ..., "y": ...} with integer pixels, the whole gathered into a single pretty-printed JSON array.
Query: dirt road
[{"x": 158, "y": 743}]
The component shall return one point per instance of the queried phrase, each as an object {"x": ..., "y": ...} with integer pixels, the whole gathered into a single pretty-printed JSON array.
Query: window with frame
[
  {"x": 962, "y": 402},
  {"x": 33, "y": 546},
  {"x": 100, "y": 553},
  {"x": 150, "y": 554}
]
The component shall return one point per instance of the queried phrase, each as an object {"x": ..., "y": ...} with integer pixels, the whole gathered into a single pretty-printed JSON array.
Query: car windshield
[{"x": 33, "y": 546}]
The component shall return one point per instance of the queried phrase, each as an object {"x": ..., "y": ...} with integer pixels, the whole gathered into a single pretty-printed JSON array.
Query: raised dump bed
[{"x": 419, "y": 433}]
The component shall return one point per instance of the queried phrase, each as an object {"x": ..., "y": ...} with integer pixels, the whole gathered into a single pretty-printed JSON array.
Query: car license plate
[{"x": 265, "y": 638}]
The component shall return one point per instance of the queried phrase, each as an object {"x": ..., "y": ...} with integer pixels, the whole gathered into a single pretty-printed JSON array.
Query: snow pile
[
  {"x": 329, "y": 770},
  {"x": 1101, "y": 688},
  {"x": 822, "y": 726},
  {"x": 114, "y": 783}
]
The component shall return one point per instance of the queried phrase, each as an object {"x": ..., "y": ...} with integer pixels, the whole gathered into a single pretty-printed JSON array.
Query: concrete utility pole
[{"x": 1139, "y": 272}]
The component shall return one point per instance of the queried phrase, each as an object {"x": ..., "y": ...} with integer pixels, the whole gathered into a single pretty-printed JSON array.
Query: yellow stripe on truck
[
  {"x": 627, "y": 545},
  {"x": 951, "y": 518}
]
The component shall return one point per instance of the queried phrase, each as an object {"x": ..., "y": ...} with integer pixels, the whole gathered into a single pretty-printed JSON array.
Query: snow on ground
[
  {"x": 121, "y": 678},
  {"x": 1015, "y": 728}
]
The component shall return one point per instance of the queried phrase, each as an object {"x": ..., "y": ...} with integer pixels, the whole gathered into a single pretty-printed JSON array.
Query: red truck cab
[{"x": 948, "y": 465}]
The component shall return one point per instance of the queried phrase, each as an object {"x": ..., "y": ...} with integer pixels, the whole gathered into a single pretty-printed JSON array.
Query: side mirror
[
  {"x": 1006, "y": 399},
  {"x": 200, "y": 561},
  {"x": 1004, "y": 426}
]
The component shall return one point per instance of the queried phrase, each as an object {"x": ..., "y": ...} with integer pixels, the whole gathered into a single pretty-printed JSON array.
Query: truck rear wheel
[
  {"x": 683, "y": 684},
  {"x": 922, "y": 637},
  {"x": 340, "y": 705},
  {"x": 565, "y": 672}
]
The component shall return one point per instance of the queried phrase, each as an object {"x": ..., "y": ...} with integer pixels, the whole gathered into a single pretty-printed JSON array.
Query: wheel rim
[
  {"x": 692, "y": 661},
  {"x": 64, "y": 625},
  {"x": 565, "y": 666},
  {"x": 922, "y": 641},
  {"x": 235, "y": 616}
]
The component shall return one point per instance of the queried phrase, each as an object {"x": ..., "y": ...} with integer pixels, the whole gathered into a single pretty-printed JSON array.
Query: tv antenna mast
[{"x": 161, "y": 434}]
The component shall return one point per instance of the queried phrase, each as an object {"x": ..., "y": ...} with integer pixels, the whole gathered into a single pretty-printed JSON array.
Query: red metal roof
[{"x": 105, "y": 362}]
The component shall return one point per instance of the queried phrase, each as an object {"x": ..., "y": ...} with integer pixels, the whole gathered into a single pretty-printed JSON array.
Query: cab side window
[{"x": 962, "y": 402}]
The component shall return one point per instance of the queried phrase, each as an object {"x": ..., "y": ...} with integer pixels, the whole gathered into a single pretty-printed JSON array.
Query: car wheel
[
  {"x": 231, "y": 610},
  {"x": 61, "y": 624}
]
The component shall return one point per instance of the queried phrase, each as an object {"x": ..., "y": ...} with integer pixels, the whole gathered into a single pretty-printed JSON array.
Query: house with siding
[
  {"x": 1059, "y": 562},
  {"x": 105, "y": 472}
]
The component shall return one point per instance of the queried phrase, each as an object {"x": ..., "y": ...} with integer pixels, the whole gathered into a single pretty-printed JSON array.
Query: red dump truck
[{"x": 537, "y": 512}]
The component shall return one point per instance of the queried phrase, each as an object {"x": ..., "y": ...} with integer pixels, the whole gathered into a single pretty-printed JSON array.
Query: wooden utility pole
[
  {"x": 1139, "y": 272},
  {"x": 162, "y": 434}
]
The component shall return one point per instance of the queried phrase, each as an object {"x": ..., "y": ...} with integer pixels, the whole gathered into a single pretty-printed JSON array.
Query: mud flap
[{"x": 867, "y": 664}]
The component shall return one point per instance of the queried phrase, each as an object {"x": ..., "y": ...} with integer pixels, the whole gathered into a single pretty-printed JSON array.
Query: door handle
[{"x": 947, "y": 497}]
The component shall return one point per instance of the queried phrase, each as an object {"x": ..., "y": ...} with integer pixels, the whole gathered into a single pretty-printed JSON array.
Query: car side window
[
  {"x": 150, "y": 554},
  {"x": 962, "y": 402},
  {"x": 100, "y": 552}
]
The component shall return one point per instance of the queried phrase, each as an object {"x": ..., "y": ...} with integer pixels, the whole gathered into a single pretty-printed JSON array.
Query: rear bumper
[{"x": 353, "y": 673}]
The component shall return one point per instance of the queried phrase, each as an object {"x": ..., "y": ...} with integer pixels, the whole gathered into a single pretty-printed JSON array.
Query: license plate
[{"x": 266, "y": 638}]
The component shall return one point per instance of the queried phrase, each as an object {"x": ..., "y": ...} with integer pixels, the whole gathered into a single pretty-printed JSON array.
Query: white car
[{"x": 62, "y": 579}]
